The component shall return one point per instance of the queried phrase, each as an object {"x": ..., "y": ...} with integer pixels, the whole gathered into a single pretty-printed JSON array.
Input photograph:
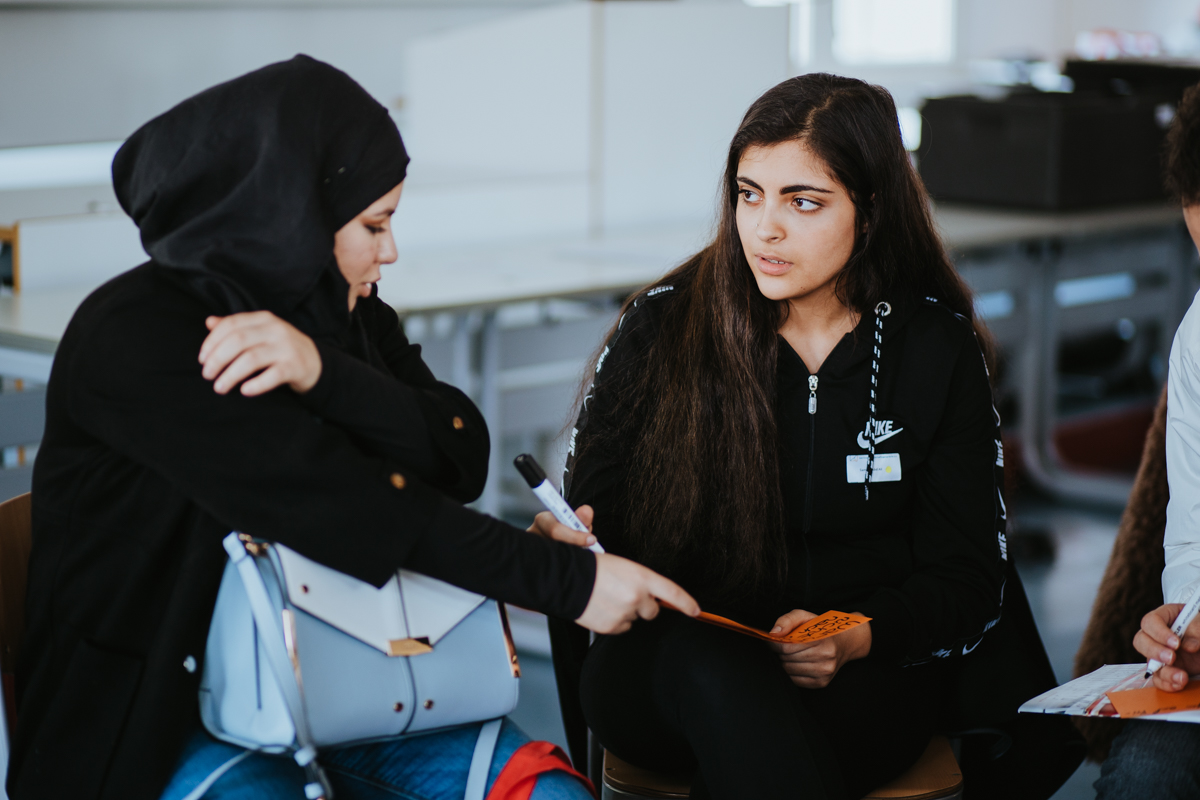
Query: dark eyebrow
[
  {"x": 804, "y": 188},
  {"x": 787, "y": 189}
]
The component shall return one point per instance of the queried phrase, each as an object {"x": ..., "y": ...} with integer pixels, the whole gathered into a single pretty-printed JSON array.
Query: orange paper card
[
  {"x": 831, "y": 623},
  {"x": 1140, "y": 702}
]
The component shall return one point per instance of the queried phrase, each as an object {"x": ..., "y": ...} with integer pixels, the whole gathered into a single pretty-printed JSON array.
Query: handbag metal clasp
[
  {"x": 252, "y": 547},
  {"x": 409, "y": 647}
]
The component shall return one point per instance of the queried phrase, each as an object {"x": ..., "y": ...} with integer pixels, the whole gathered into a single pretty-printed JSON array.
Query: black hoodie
[
  {"x": 144, "y": 468},
  {"x": 924, "y": 553}
]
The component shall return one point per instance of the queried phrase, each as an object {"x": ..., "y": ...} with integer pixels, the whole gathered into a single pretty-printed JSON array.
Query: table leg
[
  {"x": 461, "y": 373},
  {"x": 489, "y": 405},
  {"x": 1039, "y": 393}
]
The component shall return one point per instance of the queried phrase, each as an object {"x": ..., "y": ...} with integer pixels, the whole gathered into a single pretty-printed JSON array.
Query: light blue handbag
[{"x": 302, "y": 657}]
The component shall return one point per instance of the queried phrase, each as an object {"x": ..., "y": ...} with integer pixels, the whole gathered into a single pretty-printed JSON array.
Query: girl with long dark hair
[{"x": 797, "y": 419}]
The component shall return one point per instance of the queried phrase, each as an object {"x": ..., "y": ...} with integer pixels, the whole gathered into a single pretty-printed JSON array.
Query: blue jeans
[
  {"x": 429, "y": 767},
  {"x": 1152, "y": 759}
]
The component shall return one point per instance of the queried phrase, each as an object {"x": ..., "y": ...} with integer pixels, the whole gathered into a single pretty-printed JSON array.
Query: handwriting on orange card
[
  {"x": 1140, "y": 702},
  {"x": 828, "y": 624}
]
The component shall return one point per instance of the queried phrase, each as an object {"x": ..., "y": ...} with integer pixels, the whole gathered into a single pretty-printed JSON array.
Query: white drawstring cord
[{"x": 881, "y": 311}]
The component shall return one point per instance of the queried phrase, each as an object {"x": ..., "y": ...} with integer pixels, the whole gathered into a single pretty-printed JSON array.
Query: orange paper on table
[
  {"x": 828, "y": 624},
  {"x": 1140, "y": 702}
]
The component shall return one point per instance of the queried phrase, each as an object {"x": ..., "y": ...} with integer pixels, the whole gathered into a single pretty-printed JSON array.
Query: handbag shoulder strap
[
  {"x": 481, "y": 761},
  {"x": 281, "y": 666}
]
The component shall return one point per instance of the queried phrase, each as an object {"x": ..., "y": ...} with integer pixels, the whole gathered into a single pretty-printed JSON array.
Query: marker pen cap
[{"x": 530, "y": 470}]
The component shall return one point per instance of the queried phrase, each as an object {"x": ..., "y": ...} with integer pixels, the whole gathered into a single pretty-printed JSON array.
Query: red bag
[{"x": 520, "y": 774}]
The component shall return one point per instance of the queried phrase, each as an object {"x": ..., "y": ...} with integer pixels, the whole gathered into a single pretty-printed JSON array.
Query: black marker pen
[{"x": 535, "y": 476}]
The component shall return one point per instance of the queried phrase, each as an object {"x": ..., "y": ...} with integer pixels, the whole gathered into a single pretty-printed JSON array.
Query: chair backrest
[
  {"x": 16, "y": 524},
  {"x": 15, "y": 540}
]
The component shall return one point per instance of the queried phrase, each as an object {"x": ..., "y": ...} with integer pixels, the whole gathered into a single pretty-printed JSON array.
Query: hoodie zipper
[
  {"x": 808, "y": 483},
  {"x": 812, "y": 446}
]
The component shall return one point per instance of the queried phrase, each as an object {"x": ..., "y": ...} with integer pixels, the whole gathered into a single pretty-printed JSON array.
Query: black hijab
[{"x": 239, "y": 190}]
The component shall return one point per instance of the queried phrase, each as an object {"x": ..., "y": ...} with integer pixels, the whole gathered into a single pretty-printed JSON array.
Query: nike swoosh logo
[
  {"x": 967, "y": 650},
  {"x": 864, "y": 444}
]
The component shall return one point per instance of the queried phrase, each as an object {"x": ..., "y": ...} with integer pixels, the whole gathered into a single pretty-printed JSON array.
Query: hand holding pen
[
  {"x": 1164, "y": 643},
  {"x": 571, "y": 527}
]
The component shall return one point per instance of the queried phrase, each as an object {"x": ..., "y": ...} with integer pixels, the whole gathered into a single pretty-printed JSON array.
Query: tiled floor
[{"x": 1061, "y": 588}]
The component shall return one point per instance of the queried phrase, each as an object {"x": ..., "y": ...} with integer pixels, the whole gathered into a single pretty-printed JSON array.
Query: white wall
[
  {"x": 677, "y": 81},
  {"x": 496, "y": 120},
  {"x": 502, "y": 98},
  {"x": 580, "y": 118},
  {"x": 81, "y": 75}
]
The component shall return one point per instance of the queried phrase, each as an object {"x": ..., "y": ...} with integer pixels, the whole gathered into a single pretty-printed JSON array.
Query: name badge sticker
[{"x": 887, "y": 468}]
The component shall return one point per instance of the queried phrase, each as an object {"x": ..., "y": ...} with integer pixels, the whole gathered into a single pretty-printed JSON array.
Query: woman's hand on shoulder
[
  {"x": 814, "y": 665},
  {"x": 259, "y": 351},
  {"x": 1157, "y": 640},
  {"x": 625, "y": 591},
  {"x": 544, "y": 524}
]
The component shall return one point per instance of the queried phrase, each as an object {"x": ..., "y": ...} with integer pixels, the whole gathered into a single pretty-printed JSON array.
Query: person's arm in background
[{"x": 1181, "y": 539}]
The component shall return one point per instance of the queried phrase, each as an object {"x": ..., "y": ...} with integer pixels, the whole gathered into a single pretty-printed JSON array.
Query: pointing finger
[{"x": 670, "y": 592}]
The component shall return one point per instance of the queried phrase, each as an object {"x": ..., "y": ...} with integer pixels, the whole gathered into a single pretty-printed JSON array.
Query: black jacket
[
  {"x": 238, "y": 194},
  {"x": 924, "y": 555},
  {"x": 144, "y": 469}
]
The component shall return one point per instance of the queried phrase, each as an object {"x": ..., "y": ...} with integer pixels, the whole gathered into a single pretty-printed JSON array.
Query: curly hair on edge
[{"x": 1182, "y": 162}]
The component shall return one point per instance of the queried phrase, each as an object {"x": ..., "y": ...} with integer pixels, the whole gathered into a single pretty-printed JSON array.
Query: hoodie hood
[{"x": 239, "y": 190}]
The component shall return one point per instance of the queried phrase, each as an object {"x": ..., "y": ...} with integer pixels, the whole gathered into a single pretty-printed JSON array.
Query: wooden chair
[
  {"x": 15, "y": 540},
  {"x": 935, "y": 776}
]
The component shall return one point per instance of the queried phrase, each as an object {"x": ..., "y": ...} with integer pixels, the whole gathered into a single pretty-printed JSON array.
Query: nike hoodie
[{"x": 905, "y": 399}]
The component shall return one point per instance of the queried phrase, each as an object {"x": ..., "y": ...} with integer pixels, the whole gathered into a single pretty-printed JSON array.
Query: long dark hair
[{"x": 704, "y": 488}]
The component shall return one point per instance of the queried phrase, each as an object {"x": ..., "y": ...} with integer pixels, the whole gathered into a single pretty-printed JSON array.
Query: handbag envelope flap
[
  {"x": 375, "y": 616},
  {"x": 434, "y": 607}
]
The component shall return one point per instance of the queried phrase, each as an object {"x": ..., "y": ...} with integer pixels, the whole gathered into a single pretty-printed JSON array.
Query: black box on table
[{"x": 1052, "y": 151}]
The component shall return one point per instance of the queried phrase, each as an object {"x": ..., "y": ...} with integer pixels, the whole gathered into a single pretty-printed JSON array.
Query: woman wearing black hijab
[{"x": 264, "y": 205}]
